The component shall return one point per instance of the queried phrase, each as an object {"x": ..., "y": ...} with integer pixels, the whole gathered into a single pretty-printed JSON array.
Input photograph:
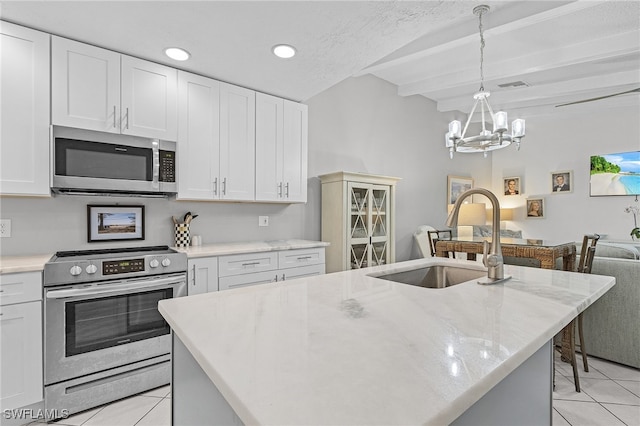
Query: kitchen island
[{"x": 349, "y": 348}]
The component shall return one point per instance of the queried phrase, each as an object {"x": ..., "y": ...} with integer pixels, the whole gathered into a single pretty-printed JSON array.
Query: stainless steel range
[{"x": 104, "y": 337}]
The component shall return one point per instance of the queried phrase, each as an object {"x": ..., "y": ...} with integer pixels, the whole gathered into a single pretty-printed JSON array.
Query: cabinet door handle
[
  {"x": 287, "y": 190},
  {"x": 280, "y": 190},
  {"x": 283, "y": 277},
  {"x": 215, "y": 186},
  {"x": 114, "y": 116},
  {"x": 193, "y": 279},
  {"x": 224, "y": 186},
  {"x": 127, "y": 117},
  {"x": 276, "y": 279}
]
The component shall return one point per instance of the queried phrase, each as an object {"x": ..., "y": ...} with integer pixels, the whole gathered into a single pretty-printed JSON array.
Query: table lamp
[{"x": 470, "y": 214}]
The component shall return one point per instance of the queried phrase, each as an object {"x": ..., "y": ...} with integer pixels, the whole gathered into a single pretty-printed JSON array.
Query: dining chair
[
  {"x": 587, "y": 254},
  {"x": 437, "y": 235}
]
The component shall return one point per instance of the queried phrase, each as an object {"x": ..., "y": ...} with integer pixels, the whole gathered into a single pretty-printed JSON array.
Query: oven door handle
[{"x": 113, "y": 288}]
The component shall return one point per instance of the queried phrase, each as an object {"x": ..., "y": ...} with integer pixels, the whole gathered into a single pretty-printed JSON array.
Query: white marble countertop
[
  {"x": 347, "y": 348},
  {"x": 222, "y": 249},
  {"x": 13, "y": 264}
]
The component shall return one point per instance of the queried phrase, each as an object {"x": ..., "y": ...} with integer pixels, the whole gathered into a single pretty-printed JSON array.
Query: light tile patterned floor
[{"x": 610, "y": 397}]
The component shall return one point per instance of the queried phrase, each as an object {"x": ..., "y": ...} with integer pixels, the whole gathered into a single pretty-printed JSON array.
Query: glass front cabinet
[{"x": 357, "y": 219}]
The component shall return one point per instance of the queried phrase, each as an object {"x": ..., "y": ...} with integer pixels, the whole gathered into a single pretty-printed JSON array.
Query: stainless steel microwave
[{"x": 101, "y": 163}]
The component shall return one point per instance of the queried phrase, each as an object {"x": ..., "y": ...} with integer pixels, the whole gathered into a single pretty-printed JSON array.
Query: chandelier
[{"x": 457, "y": 139}]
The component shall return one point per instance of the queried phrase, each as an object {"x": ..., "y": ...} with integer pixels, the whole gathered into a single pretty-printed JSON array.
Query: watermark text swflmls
[{"x": 31, "y": 414}]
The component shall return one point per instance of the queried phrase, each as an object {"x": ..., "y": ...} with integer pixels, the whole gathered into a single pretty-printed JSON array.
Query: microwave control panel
[
  {"x": 167, "y": 166},
  {"x": 113, "y": 267}
]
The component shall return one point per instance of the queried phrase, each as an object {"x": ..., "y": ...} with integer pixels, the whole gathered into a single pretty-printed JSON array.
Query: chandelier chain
[{"x": 481, "y": 49}]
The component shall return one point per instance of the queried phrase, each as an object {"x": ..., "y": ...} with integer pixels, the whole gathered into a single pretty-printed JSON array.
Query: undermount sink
[{"x": 435, "y": 276}]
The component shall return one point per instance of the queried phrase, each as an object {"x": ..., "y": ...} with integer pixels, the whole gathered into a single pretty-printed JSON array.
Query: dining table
[{"x": 544, "y": 252}]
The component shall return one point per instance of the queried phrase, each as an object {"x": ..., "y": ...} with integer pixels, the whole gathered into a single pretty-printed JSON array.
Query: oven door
[{"x": 94, "y": 327}]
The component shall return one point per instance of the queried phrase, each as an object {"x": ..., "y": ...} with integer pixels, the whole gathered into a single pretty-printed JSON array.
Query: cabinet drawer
[
  {"x": 225, "y": 283},
  {"x": 300, "y": 272},
  {"x": 295, "y": 258},
  {"x": 20, "y": 287},
  {"x": 247, "y": 263}
]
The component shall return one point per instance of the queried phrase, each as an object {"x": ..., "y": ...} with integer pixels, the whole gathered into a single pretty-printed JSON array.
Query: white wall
[{"x": 566, "y": 143}]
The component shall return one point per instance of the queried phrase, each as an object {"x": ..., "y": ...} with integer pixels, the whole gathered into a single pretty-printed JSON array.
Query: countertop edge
[{"x": 225, "y": 249}]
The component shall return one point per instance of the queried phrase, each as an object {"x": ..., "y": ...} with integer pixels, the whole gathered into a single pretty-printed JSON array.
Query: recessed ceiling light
[
  {"x": 177, "y": 53},
  {"x": 284, "y": 51}
]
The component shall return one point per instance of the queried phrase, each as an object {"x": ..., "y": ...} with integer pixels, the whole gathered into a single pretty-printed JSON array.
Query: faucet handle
[{"x": 485, "y": 252}]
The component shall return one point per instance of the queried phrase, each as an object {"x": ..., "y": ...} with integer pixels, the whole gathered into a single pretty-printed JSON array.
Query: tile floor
[{"x": 610, "y": 397}]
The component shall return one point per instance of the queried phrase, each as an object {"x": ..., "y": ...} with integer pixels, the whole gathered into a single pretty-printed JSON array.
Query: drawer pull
[
  {"x": 304, "y": 257},
  {"x": 250, "y": 264}
]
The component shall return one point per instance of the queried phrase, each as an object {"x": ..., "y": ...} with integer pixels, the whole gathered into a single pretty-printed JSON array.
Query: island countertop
[{"x": 348, "y": 348}]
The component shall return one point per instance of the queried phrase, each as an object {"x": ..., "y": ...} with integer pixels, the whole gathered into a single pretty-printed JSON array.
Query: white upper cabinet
[
  {"x": 24, "y": 111},
  {"x": 97, "y": 89},
  {"x": 294, "y": 164},
  {"x": 86, "y": 86},
  {"x": 149, "y": 99},
  {"x": 198, "y": 137},
  {"x": 281, "y": 150},
  {"x": 237, "y": 143}
]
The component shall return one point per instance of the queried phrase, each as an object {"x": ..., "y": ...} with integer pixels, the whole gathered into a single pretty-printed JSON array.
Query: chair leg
[
  {"x": 574, "y": 363},
  {"x": 582, "y": 348}
]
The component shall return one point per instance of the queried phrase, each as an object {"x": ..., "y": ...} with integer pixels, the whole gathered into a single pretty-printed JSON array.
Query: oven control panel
[{"x": 112, "y": 267}]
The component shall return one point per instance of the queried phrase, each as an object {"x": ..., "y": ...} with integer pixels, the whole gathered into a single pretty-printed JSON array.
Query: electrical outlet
[
  {"x": 263, "y": 220},
  {"x": 5, "y": 228}
]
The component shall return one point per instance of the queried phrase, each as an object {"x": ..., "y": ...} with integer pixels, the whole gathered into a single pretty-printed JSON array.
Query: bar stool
[{"x": 568, "y": 337}]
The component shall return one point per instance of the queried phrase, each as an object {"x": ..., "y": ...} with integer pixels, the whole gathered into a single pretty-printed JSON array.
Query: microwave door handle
[
  {"x": 156, "y": 163},
  {"x": 113, "y": 288}
]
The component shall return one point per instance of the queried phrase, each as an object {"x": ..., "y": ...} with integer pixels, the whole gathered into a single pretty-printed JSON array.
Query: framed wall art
[
  {"x": 535, "y": 208},
  {"x": 456, "y": 185},
  {"x": 111, "y": 223},
  {"x": 562, "y": 181},
  {"x": 511, "y": 185}
]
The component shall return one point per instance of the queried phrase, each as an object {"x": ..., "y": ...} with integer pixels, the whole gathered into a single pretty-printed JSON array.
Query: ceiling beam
[{"x": 582, "y": 53}]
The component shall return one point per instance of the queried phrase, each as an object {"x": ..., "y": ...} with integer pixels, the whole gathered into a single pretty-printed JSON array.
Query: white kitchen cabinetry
[
  {"x": 21, "y": 380},
  {"x": 97, "y": 89},
  {"x": 198, "y": 137},
  {"x": 24, "y": 111},
  {"x": 203, "y": 275},
  {"x": 281, "y": 149},
  {"x": 237, "y": 143},
  {"x": 239, "y": 270},
  {"x": 358, "y": 220}
]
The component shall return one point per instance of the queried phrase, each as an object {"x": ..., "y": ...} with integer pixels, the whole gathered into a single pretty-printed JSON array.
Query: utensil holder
[{"x": 182, "y": 234}]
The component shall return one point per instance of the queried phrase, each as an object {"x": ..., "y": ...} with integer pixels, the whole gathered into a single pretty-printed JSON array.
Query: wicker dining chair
[
  {"x": 435, "y": 236},
  {"x": 568, "y": 333}
]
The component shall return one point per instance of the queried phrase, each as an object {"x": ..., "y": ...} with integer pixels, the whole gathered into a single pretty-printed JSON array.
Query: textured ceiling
[{"x": 566, "y": 51}]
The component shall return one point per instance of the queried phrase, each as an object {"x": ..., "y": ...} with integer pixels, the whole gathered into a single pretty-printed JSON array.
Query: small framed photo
[
  {"x": 456, "y": 185},
  {"x": 562, "y": 182},
  {"x": 535, "y": 208},
  {"x": 111, "y": 223},
  {"x": 511, "y": 186}
]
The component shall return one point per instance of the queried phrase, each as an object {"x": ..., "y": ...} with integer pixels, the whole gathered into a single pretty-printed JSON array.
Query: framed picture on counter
[
  {"x": 456, "y": 185},
  {"x": 111, "y": 223}
]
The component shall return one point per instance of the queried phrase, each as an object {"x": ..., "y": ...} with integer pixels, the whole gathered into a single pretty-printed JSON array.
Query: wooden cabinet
[
  {"x": 202, "y": 275},
  {"x": 198, "y": 137},
  {"x": 24, "y": 111},
  {"x": 237, "y": 143},
  {"x": 281, "y": 150},
  {"x": 358, "y": 220},
  {"x": 21, "y": 353},
  {"x": 97, "y": 89}
]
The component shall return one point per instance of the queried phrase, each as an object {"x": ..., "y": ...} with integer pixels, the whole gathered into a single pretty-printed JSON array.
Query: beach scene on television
[{"x": 615, "y": 174}]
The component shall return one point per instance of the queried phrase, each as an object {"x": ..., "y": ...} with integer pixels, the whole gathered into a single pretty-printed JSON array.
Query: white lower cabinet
[
  {"x": 240, "y": 270},
  {"x": 21, "y": 381},
  {"x": 203, "y": 275}
]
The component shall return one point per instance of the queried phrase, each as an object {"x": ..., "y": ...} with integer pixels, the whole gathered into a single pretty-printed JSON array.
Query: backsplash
[{"x": 47, "y": 225}]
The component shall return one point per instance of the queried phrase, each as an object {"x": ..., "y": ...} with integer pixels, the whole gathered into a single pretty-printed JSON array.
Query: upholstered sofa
[{"x": 612, "y": 323}]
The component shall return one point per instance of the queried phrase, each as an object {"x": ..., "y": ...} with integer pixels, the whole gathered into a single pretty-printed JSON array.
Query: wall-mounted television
[{"x": 615, "y": 174}]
